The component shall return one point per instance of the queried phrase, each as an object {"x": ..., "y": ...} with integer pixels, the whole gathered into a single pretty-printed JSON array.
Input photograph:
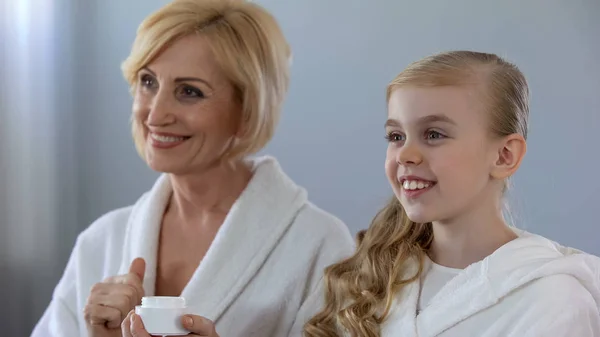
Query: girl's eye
[
  {"x": 434, "y": 135},
  {"x": 394, "y": 137}
]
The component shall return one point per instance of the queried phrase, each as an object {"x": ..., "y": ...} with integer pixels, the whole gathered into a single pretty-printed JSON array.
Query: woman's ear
[{"x": 511, "y": 150}]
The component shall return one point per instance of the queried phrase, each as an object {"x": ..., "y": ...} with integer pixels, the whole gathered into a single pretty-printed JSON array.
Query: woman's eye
[
  {"x": 147, "y": 81},
  {"x": 189, "y": 91}
]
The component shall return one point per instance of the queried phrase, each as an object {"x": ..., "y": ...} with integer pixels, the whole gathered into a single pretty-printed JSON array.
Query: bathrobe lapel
[
  {"x": 402, "y": 320},
  {"x": 143, "y": 229},
  {"x": 466, "y": 294}
]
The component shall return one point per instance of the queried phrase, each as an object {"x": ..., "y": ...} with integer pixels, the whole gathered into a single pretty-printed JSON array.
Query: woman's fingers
[
  {"x": 130, "y": 280},
  {"x": 199, "y": 325},
  {"x": 123, "y": 298},
  {"x": 110, "y": 301},
  {"x": 133, "y": 326},
  {"x": 126, "y": 325},
  {"x": 97, "y": 314},
  {"x": 137, "y": 327}
]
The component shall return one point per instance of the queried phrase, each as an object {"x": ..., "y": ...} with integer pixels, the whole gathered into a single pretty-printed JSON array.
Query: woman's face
[{"x": 185, "y": 108}]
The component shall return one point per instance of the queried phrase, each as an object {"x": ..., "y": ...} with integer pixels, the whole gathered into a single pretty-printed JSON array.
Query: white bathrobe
[
  {"x": 530, "y": 287},
  {"x": 260, "y": 277}
]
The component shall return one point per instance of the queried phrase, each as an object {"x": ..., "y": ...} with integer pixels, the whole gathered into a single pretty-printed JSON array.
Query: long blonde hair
[
  {"x": 247, "y": 42},
  {"x": 359, "y": 290}
]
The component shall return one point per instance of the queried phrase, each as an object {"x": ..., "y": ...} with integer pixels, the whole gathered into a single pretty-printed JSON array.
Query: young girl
[{"x": 439, "y": 259}]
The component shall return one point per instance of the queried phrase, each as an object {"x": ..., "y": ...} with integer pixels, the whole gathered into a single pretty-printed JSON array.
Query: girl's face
[{"x": 442, "y": 161}]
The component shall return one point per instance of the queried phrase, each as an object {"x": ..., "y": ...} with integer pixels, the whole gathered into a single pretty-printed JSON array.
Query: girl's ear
[{"x": 511, "y": 150}]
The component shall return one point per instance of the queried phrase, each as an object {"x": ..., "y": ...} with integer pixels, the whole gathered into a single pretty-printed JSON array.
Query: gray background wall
[{"x": 66, "y": 155}]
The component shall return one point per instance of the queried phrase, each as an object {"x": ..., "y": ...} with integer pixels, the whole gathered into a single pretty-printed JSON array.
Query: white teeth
[
  {"x": 166, "y": 139},
  {"x": 415, "y": 185}
]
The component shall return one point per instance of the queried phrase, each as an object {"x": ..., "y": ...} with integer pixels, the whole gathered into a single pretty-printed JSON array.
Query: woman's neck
[
  {"x": 212, "y": 191},
  {"x": 461, "y": 242}
]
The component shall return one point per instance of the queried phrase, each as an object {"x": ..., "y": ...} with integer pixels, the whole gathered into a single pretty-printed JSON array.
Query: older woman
[{"x": 234, "y": 236}]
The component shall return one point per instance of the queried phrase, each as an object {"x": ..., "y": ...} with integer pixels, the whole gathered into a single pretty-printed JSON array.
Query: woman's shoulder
[
  {"x": 108, "y": 230},
  {"x": 319, "y": 222},
  {"x": 109, "y": 222},
  {"x": 109, "y": 226},
  {"x": 320, "y": 234},
  {"x": 96, "y": 253}
]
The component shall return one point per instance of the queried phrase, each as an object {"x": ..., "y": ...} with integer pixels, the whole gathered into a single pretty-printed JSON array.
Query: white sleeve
[
  {"x": 57, "y": 321},
  {"x": 580, "y": 321},
  {"x": 60, "y": 317}
]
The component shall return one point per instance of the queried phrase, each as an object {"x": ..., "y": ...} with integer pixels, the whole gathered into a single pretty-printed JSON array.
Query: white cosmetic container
[{"x": 161, "y": 315}]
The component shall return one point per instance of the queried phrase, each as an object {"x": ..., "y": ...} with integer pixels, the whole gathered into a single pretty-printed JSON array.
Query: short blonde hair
[{"x": 248, "y": 45}]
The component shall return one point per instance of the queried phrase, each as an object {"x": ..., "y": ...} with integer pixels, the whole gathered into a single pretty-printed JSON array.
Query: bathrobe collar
[{"x": 251, "y": 230}]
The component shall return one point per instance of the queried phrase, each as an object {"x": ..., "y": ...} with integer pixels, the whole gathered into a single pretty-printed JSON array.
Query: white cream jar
[{"x": 161, "y": 315}]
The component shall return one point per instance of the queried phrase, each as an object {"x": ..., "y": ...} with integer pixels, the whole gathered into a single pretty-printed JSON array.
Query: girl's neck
[{"x": 471, "y": 238}]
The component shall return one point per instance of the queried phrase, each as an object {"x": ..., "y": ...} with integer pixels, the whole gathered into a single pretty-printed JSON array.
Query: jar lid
[{"x": 165, "y": 302}]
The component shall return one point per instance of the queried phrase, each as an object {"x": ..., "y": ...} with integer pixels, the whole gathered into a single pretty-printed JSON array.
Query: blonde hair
[
  {"x": 359, "y": 290},
  {"x": 249, "y": 46}
]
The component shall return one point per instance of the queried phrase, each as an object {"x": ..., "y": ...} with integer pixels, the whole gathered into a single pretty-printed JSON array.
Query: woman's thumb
[
  {"x": 138, "y": 267},
  {"x": 199, "y": 325}
]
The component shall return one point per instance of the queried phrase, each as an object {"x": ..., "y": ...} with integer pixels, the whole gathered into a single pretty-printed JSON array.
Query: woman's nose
[{"x": 160, "y": 110}]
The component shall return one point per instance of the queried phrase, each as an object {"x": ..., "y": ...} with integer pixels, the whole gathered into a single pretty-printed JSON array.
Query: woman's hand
[
  {"x": 199, "y": 326},
  {"x": 111, "y": 300}
]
